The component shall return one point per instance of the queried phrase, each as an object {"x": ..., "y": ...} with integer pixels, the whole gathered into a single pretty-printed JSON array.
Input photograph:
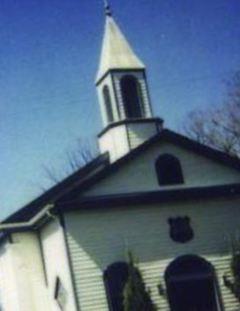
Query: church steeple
[{"x": 123, "y": 94}]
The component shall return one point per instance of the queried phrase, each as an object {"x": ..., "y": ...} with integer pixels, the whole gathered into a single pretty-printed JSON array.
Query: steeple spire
[
  {"x": 107, "y": 7},
  {"x": 116, "y": 50}
]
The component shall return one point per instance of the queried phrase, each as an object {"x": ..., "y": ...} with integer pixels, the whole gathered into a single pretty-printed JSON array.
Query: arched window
[
  {"x": 169, "y": 171},
  {"x": 115, "y": 278},
  {"x": 132, "y": 97},
  {"x": 108, "y": 104},
  {"x": 191, "y": 285}
]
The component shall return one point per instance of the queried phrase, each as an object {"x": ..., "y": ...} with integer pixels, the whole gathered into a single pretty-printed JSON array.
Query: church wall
[
  {"x": 139, "y": 174},
  {"x": 22, "y": 277},
  {"x": 100, "y": 237},
  {"x": 57, "y": 264},
  {"x": 8, "y": 286}
]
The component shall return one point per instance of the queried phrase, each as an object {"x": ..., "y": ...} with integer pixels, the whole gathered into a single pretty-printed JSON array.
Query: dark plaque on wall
[{"x": 180, "y": 229}]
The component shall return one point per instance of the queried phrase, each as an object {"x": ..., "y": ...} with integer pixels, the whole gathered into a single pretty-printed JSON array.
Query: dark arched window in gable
[
  {"x": 108, "y": 104},
  {"x": 169, "y": 170},
  {"x": 132, "y": 97},
  {"x": 191, "y": 284},
  {"x": 115, "y": 278}
]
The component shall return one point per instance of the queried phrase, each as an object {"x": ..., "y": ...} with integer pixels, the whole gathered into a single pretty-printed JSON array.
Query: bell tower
[{"x": 123, "y": 94}]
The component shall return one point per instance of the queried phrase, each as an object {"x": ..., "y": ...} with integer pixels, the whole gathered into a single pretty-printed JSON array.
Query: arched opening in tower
[{"x": 132, "y": 97}]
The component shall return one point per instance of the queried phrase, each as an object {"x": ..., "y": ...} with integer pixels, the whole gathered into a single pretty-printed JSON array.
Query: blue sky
[{"x": 49, "y": 54}]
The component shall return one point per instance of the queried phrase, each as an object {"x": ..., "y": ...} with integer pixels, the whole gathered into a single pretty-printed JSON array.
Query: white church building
[{"x": 172, "y": 202}]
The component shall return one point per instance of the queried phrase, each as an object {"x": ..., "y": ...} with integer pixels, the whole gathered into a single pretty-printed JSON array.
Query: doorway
[{"x": 191, "y": 285}]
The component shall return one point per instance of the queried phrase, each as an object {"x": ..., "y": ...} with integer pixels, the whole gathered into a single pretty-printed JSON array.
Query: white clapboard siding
[
  {"x": 98, "y": 238},
  {"x": 22, "y": 274},
  {"x": 138, "y": 133},
  {"x": 140, "y": 175},
  {"x": 57, "y": 264},
  {"x": 8, "y": 287},
  {"x": 145, "y": 97},
  {"x": 115, "y": 140}
]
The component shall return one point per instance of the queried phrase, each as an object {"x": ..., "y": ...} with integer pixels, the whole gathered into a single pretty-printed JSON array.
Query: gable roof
[
  {"x": 100, "y": 168},
  {"x": 32, "y": 208}
]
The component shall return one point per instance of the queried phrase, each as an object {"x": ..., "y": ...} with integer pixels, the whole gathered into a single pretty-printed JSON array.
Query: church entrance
[{"x": 191, "y": 285}]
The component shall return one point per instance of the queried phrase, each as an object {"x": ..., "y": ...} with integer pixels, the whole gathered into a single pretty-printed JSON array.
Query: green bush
[{"x": 136, "y": 297}]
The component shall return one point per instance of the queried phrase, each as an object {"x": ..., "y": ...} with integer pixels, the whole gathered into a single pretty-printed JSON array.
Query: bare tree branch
[
  {"x": 80, "y": 155},
  {"x": 219, "y": 128}
]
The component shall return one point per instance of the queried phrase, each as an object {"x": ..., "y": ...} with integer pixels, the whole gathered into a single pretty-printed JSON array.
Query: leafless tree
[
  {"x": 219, "y": 128},
  {"x": 83, "y": 152}
]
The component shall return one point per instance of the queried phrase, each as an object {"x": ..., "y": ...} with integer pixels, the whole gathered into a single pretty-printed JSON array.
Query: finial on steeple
[{"x": 108, "y": 11}]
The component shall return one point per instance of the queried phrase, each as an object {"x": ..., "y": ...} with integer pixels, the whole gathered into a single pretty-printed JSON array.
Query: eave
[
  {"x": 120, "y": 200},
  {"x": 151, "y": 197}
]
